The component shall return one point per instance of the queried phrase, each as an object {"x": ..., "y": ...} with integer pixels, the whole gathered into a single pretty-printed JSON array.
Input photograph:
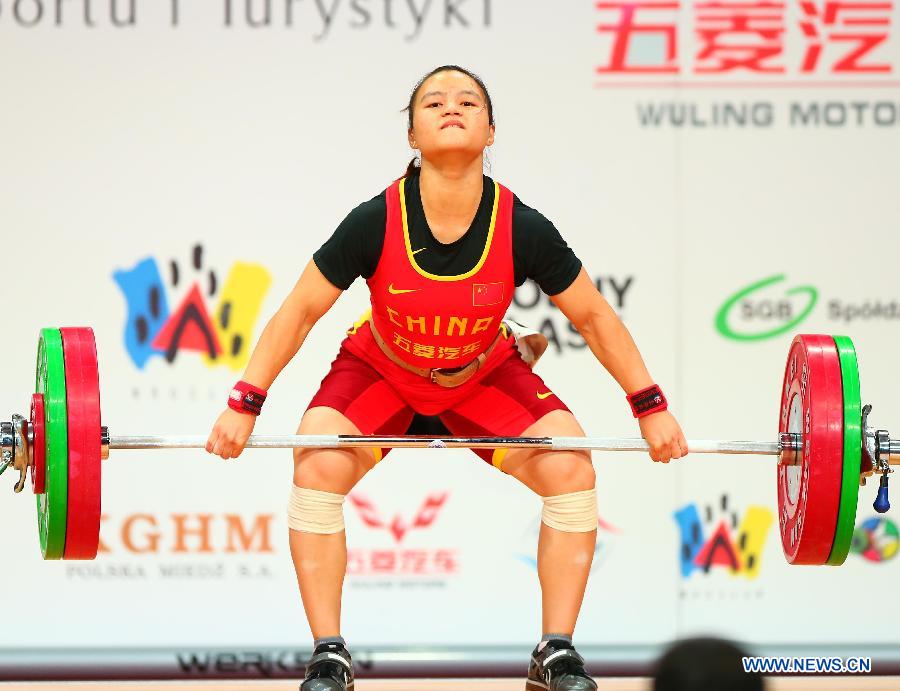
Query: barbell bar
[
  {"x": 300, "y": 441},
  {"x": 788, "y": 443}
]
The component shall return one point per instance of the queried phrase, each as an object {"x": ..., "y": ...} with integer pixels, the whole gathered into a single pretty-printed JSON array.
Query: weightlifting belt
[{"x": 448, "y": 377}]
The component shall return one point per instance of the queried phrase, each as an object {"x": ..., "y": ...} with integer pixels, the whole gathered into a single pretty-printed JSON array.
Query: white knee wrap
[
  {"x": 572, "y": 513},
  {"x": 313, "y": 511}
]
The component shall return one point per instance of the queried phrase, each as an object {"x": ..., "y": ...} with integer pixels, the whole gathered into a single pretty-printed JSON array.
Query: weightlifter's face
[{"x": 450, "y": 117}]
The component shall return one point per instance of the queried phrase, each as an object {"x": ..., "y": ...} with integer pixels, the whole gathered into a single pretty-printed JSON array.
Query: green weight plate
[
  {"x": 50, "y": 380},
  {"x": 846, "y": 523}
]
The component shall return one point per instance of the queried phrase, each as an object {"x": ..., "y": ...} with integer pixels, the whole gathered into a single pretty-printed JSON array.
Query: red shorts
[{"x": 503, "y": 404}]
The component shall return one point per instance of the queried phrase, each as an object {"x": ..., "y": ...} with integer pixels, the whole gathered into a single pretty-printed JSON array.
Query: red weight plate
[
  {"x": 38, "y": 445},
  {"x": 809, "y": 492},
  {"x": 83, "y": 404}
]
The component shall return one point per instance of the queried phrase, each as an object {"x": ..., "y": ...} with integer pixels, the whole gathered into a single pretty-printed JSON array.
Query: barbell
[{"x": 825, "y": 447}]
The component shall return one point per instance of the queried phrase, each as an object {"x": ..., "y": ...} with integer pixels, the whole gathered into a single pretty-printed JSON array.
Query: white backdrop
[{"x": 120, "y": 144}]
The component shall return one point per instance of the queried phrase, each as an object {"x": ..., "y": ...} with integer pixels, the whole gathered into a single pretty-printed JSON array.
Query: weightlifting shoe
[
  {"x": 558, "y": 667},
  {"x": 329, "y": 669}
]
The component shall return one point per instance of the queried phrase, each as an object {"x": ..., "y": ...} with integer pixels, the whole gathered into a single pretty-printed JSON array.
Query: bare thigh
[
  {"x": 549, "y": 473},
  {"x": 330, "y": 470}
]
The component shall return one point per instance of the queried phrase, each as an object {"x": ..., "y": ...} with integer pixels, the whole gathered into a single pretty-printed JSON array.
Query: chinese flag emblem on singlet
[{"x": 485, "y": 294}]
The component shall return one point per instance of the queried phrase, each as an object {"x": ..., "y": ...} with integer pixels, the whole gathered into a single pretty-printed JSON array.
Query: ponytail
[{"x": 412, "y": 168}]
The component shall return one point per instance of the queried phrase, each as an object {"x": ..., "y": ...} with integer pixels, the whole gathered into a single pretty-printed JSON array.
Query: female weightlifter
[{"x": 442, "y": 250}]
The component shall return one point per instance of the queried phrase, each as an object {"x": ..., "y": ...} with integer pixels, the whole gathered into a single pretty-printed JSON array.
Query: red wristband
[
  {"x": 647, "y": 401},
  {"x": 246, "y": 398}
]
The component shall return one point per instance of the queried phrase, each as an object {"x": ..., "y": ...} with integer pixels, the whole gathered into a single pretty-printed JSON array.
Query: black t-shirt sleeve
[
  {"x": 355, "y": 247},
  {"x": 540, "y": 253}
]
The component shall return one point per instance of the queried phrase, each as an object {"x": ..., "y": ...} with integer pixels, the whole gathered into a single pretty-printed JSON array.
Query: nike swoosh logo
[
  {"x": 399, "y": 291},
  {"x": 542, "y": 396},
  {"x": 422, "y": 249}
]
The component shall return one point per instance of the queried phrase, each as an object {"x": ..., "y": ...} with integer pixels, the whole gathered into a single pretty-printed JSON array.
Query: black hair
[{"x": 412, "y": 168}]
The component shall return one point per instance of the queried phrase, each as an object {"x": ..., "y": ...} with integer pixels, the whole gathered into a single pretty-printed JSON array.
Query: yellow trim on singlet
[
  {"x": 497, "y": 458},
  {"x": 487, "y": 245},
  {"x": 378, "y": 454}
]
